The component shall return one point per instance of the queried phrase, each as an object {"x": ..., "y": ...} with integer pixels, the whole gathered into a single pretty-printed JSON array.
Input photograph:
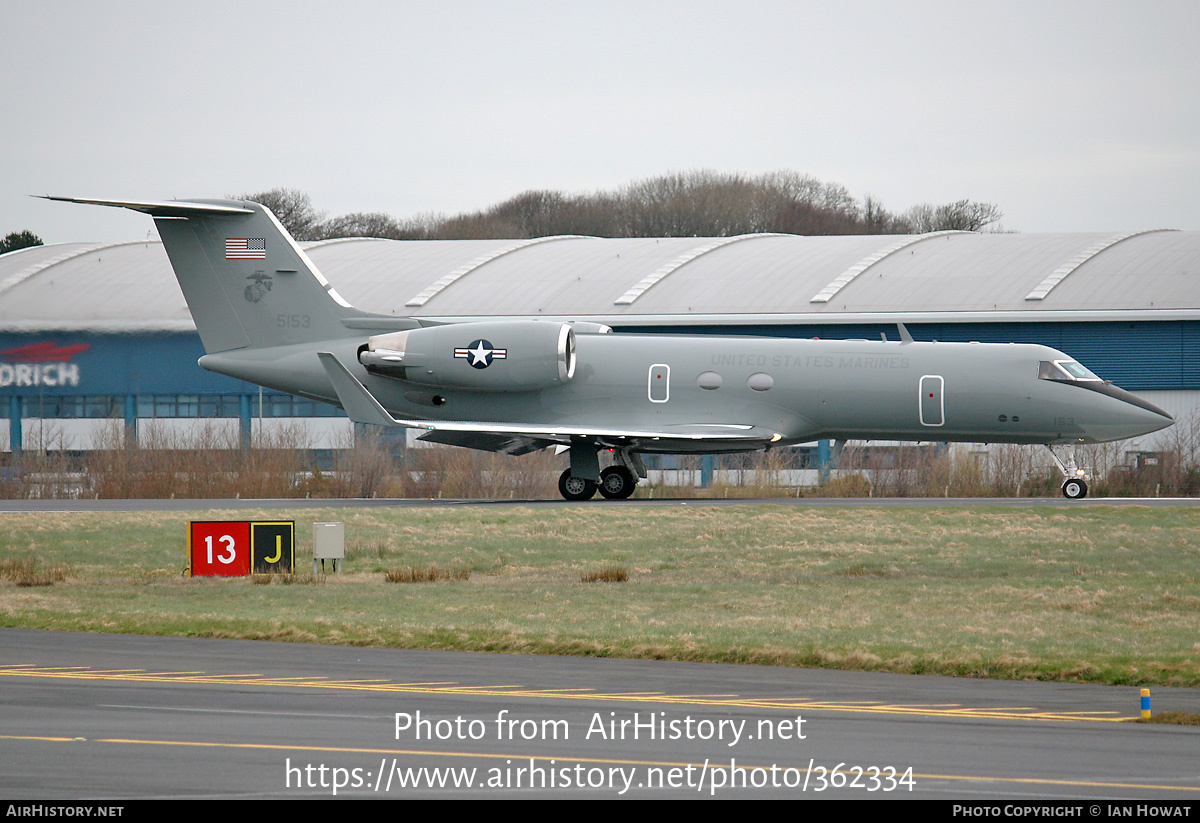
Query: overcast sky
[{"x": 1070, "y": 116}]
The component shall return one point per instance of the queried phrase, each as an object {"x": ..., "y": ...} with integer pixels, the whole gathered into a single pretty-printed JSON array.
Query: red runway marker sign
[{"x": 235, "y": 548}]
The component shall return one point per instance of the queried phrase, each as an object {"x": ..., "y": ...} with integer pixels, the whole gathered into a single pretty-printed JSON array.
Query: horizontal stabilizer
[{"x": 158, "y": 208}]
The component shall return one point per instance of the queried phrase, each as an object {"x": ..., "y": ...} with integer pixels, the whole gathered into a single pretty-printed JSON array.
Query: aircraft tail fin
[{"x": 246, "y": 282}]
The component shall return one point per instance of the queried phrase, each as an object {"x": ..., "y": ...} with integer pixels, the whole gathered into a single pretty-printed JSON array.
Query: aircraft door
[
  {"x": 932, "y": 400},
  {"x": 659, "y": 383}
]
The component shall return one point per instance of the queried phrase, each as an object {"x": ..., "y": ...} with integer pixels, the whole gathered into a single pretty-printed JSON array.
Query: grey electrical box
[{"x": 329, "y": 543}]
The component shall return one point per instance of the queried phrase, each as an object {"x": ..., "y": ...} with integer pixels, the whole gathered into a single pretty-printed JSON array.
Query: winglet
[
  {"x": 360, "y": 405},
  {"x": 905, "y": 337}
]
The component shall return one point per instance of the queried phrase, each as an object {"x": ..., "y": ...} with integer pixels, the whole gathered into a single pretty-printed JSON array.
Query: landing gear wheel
[
  {"x": 1074, "y": 489},
  {"x": 617, "y": 483},
  {"x": 575, "y": 488}
]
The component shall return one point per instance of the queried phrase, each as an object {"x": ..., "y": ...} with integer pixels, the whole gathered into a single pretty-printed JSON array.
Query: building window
[
  {"x": 284, "y": 405},
  {"x": 71, "y": 407},
  {"x": 166, "y": 406},
  {"x": 188, "y": 405}
]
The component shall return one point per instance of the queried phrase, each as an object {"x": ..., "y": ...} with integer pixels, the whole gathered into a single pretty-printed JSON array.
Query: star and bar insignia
[{"x": 480, "y": 354}]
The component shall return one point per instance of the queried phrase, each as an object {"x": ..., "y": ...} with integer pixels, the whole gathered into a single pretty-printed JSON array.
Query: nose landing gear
[
  {"x": 1074, "y": 489},
  {"x": 1074, "y": 485}
]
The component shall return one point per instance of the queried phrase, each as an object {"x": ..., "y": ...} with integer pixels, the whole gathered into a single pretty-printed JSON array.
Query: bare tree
[
  {"x": 878, "y": 220},
  {"x": 533, "y": 213},
  {"x": 699, "y": 203},
  {"x": 372, "y": 224},
  {"x": 294, "y": 209},
  {"x": 962, "y": 215}
]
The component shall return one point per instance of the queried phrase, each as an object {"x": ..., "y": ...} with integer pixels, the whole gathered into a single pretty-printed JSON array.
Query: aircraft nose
[
  {"x": 1152, "y": 419},
  {"x": 1146, "y": 413},
  {"x": 1136, "y": 416}
]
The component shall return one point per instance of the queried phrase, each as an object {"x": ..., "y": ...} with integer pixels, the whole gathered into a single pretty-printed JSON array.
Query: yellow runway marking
[
  {"x": 232, "y": 676},
  {"x": 430, "y": 683},
  {"x": 565, "y": 758},
  {"x": 705, "y": 696},
  {"x": 583, "y": 693}
]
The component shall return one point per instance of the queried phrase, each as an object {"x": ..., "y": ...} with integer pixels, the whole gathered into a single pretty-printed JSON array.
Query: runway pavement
[
  {"x": 109, "y": 716},
  {"x": 811, "y": 502}
]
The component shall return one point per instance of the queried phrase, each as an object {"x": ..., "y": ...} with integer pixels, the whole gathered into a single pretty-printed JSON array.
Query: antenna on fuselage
[{"x": 905, "y": 337}]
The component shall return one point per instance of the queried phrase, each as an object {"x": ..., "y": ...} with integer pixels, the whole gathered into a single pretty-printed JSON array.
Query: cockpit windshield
[{"x": 1064, "y": 370}]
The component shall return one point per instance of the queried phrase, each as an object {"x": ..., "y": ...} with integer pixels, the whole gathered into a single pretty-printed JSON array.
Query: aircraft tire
[
  {"x": 1074, "y": 489},
  {"x": 575, "y": 488},
  {"x": 617, "y": 483}
]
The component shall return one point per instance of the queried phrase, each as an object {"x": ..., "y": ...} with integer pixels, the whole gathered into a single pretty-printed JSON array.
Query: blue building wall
[
  {"x": 107, "y": 364},
  {"x": 128, "y": 376}
]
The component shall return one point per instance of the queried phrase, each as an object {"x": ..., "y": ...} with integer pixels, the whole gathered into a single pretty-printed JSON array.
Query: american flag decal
[{"x": 245, "y": 248}]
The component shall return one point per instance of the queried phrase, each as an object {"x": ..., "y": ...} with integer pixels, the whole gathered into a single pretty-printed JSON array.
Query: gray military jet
[{"x": 266, "y": 315}]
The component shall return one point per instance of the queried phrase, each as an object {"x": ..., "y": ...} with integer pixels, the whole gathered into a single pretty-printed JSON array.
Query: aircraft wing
[{"x": 519, "y": 438}]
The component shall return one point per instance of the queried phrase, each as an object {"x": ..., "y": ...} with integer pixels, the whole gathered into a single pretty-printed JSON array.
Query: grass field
[{"x": 1093, "y": 594}]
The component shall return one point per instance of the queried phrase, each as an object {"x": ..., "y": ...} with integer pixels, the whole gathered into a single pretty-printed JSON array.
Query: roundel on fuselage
[{"x": 481, "y": 354}]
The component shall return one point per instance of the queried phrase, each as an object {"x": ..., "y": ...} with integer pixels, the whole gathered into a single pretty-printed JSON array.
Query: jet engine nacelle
[{"x": 512, "y": 355}]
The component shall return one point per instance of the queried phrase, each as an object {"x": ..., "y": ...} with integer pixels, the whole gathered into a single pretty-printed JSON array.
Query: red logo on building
[
  {"x": 44, "y": 352},
  {"x": 40, "y": 364}
]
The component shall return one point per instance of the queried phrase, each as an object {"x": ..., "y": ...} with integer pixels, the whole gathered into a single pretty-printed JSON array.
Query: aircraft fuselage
[{"x": 802, "y": 389}]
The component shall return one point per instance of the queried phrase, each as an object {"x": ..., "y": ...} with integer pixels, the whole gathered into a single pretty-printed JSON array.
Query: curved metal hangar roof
[{"x": 944, "y": 276}]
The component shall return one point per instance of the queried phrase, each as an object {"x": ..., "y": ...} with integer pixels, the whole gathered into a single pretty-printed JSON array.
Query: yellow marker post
[{"x": 1145, "y": 704}]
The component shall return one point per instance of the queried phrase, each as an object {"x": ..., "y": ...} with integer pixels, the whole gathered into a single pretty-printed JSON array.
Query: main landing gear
[
  {"x": 617, "y": 482},
  {"x": 1074, "y": 485},
  {"x": 575, "y": 488}
]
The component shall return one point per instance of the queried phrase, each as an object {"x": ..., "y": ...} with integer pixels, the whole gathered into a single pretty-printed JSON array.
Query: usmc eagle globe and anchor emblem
[
  {"x": 480, "y": 354},
  {"x": 259, "y": 288}
]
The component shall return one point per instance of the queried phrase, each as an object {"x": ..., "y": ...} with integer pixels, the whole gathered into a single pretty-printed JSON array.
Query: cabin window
[{"x": 760, "y": 381}]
